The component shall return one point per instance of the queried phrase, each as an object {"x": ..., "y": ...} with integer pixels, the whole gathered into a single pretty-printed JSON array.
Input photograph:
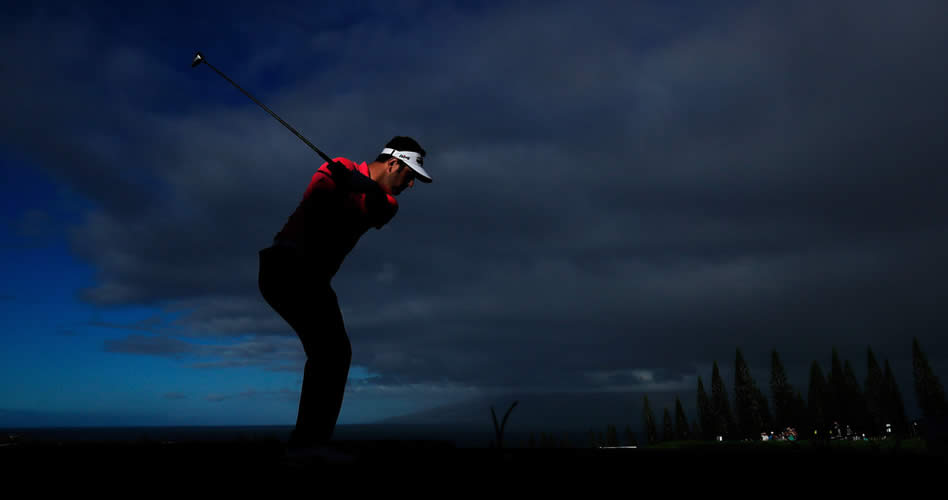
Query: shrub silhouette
[{"x": 499, "y": 430}]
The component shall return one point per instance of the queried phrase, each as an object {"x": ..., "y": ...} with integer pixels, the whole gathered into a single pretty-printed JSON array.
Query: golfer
[{"x": 342, "y": 201}]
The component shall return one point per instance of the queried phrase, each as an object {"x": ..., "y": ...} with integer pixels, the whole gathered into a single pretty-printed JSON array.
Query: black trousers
[{"x": 305, "y": 299}]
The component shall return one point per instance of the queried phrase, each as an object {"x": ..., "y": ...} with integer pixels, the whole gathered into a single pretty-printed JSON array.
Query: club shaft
[{"x": 287, "y": 125}]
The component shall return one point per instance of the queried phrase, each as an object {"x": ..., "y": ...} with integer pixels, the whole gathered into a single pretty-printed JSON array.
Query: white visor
[{"x": 412, "y": 159}]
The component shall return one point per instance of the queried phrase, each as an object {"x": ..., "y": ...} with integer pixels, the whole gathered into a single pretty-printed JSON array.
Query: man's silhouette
[{"x": 342, "y": 201}]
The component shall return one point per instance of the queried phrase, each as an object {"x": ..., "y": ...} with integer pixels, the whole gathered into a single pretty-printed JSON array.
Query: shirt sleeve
[
  {"x": 379, "y": 215},
  {"x": 323, "y": 180},
  {"x": 376, "y": 214}
]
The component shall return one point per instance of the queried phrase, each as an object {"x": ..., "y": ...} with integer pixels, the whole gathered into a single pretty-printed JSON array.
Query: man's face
[{"x": 402, "y": 178}]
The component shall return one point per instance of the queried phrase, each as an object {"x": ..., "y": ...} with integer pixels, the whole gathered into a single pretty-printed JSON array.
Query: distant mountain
[
  {"x": 15, "y": 418},
  {"x": 548, "y": 412}
]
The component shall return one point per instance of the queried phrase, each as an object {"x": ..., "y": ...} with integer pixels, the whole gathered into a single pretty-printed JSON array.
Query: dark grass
[
  {"x": 266, "y": 456},
  {"x": 913, "y": 446}
]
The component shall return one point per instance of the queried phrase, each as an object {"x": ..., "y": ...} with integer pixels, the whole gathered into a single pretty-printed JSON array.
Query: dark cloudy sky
[{"x": 624, "y": 193}]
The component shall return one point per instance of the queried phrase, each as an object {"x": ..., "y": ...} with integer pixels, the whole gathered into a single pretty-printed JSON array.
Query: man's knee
[
  {"x": 344, "y": 349},
  {"x": 318, "y": 348}
]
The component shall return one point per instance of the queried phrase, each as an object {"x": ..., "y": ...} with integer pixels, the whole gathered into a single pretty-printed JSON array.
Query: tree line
[{"x": 834, "y": 401}]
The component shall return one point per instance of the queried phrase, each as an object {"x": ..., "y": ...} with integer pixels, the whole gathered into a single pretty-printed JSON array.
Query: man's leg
[
  {"x": 329, "y": 354},
  {"x": 311, "y": 307}
]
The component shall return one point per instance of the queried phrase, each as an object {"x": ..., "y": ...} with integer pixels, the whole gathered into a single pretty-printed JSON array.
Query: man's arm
[
  {"x": 374, "y": 203},
  {"x": 379, "y": 208},
  {"x": 352, "y": 180}
]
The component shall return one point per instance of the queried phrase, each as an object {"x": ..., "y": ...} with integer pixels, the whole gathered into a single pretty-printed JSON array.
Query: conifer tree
[
  {"x": 722, "y": 422},
  {"x": 705, "y": 413},
  {"x": 782, "y": 393},
  {"x": 668, "y": 431},
  {"x": 874, "y": 381},
  {"x": 746, "y": 400},
  {"x": 681, "y": 422},
  {"x": 928, "y": 388},
  {"x": 800, "y": 420},
  {"x": 611, "y": 436},
  {"x": 855, "y": 400},
  {"x": 894, "y": 406},
  {"x": 766, "y": 418},
  {"x": 630, "y": 436},
  {"x": 816, "y": 396},
  {"x": 532, "y": 443},
  {"x": 696, "y": 431},
  {"x": 832, "y": 404},
  {"x": 651, "y": 432}
]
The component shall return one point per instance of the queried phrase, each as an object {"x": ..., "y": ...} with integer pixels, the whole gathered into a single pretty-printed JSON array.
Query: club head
[{"x": 197, "y": 59}]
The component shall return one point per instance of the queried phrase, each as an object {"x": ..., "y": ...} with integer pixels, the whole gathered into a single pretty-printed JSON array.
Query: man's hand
[{"x": 340, "y": 175}]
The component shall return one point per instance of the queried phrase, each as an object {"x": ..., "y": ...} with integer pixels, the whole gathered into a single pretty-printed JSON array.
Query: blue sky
[
  {"x": 54, "y": 353},
  {"x": 55, "y": 346},
  {"x": 623, "y": 194}
]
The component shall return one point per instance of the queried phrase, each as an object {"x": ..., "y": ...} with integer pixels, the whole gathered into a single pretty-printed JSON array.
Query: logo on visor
[{"x": 419, "y": 160}]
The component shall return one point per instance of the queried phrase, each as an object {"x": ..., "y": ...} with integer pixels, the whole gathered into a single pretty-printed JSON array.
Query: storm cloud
[{"x": 623, "y": 192}]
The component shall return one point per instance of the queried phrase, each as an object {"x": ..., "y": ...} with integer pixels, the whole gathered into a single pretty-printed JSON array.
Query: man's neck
[{"x": 374, "y": 171}]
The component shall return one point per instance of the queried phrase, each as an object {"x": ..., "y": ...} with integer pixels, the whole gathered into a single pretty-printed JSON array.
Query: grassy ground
[
  {"x": 233, "y": 459},
  {"x": 907, "y": 446}
]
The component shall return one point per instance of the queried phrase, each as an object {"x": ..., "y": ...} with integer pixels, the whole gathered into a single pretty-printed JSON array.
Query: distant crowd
[{"x": 835, "y": 432}]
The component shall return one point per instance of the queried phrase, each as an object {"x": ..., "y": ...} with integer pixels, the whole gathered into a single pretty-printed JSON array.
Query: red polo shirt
[{"x": 328, "y": 222}]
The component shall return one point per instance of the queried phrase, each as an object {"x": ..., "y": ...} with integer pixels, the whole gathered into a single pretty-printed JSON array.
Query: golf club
[{"x": 199, "y": 58}]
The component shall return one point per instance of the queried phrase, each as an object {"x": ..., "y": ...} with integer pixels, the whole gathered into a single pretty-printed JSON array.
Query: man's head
[{"x": 399, "y": 165}]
